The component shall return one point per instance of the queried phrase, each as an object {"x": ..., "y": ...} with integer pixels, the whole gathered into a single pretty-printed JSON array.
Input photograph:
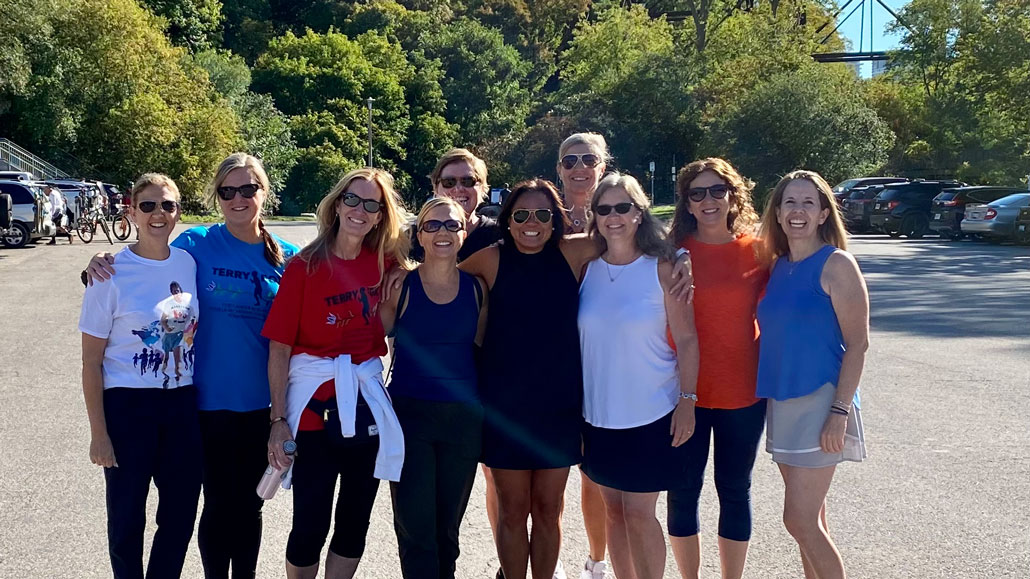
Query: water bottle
[{"x": 273, "y": 477}]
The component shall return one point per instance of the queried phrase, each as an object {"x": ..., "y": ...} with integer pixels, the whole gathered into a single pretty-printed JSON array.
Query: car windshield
[
  {"x": 845, "y": 185},
  {"x": 1018, "y": 200},
  {"x": 888, "y": 194},
  {"x": 947, "y": 195}
]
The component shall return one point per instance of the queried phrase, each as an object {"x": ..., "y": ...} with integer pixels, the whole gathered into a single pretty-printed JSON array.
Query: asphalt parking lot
[{"x": 946, "y": 403}]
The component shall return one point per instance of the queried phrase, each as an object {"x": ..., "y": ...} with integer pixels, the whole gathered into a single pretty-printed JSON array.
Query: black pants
[
  {"x": 736, "y": 433},
  {"x": 442, "y": 443},
  {"x": 235, "y": 457},
  {"x": 156, "y": 436},
  {"x": 319, "y": 462}
]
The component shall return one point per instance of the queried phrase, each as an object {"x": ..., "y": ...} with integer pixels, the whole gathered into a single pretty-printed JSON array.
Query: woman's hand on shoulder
[
  {"x": 100, "y": 268},
  {"x": 392, "y": 282}
]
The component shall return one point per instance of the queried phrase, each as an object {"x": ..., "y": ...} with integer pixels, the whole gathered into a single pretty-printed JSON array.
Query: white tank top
[{"x": 629, "y": 368}]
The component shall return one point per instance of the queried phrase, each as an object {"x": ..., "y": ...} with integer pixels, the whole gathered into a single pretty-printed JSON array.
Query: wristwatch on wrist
[{"x": 689, "y": 396}]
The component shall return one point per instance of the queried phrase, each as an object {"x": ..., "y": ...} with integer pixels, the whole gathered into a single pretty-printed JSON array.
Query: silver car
[{"x": 996, "y": 220}]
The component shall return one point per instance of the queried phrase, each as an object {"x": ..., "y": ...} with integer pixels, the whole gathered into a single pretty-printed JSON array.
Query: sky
[{"x": 852, "y": 28}]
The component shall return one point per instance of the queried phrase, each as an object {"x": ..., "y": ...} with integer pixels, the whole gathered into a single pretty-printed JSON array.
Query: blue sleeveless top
[
  {"x": 434, "y": 344},
  {"x": 801, "y": 345}
]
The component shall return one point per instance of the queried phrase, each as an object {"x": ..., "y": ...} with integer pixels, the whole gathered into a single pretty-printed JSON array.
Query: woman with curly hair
[{"x": 714, "y": 220}]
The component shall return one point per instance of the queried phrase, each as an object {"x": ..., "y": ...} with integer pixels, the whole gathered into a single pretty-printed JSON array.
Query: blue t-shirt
[{"x": 236, "y": 286}]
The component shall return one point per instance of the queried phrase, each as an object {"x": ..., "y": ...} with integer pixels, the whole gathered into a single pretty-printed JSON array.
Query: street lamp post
[{"x": 370, "y": 100}]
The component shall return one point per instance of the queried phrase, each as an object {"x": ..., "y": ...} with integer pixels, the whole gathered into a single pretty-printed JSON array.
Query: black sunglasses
[
  {"x": 369, "y": 205},
  {"x": 434, "y": 225},
  {"x": 590, "y": 160},
  {"x": 150, "y": 206},
  {"x": 248, "y": 191},
  {"x": 522, "y": 215},
  {"x": 450, "y": 182},
  {"x": 620, "y": 208},
  {"x": 697, "y": 194}
]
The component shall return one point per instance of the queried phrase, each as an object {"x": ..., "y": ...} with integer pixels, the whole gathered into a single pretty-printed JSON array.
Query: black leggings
[
  {"x": 318, "y": 464},
  {"x": 736, "y": 434},
  {"x": 235, "y": 457}
]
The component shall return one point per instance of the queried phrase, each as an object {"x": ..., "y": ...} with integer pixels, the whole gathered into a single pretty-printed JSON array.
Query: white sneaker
[
  {"x": 559, "y": 571},
  {"x": 593, "y": 569}
]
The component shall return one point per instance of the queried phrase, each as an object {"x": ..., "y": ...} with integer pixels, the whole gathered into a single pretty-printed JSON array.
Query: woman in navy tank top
[
  {"x": 437, "y": 320},
  {"x": 814, "y": 320}
]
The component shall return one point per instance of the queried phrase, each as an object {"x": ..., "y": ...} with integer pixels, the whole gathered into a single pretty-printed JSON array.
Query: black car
[
  {"x": 950, "y": 206},
  {"x": 844, "y": 188},
  {"x": 859, "y": 206},
  {"x": 904, "y": 208}
]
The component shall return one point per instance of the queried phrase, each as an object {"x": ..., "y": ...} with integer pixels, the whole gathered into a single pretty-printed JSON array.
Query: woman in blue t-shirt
[{"x": 239, "y": 265}]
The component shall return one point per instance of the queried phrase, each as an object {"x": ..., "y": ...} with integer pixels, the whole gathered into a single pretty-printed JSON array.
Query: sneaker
[
  {"x": 593, "y": 569},
  {"x": 500, "y": 574},
  {"x": 559, "y": 571}
]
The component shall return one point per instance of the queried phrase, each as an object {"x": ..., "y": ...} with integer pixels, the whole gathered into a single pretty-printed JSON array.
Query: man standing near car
[{"x": 57, "y": 211}]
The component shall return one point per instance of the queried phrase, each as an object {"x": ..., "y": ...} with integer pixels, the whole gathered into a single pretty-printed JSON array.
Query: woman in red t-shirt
[
  {"x": 325, "y": 373},
  {"x": 714, "y": 220}
]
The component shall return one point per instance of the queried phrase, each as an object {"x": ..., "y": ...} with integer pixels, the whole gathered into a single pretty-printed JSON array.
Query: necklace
[
  {"x": 619, "y": 268},
  {"x": 577, "y": 222}
]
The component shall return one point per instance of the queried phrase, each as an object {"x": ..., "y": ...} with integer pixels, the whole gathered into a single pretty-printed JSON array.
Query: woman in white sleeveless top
[{"x": 638, "y": 385}]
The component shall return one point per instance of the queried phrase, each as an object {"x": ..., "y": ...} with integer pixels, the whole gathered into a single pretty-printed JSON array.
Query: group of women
[{"x": 517, "y": 343}]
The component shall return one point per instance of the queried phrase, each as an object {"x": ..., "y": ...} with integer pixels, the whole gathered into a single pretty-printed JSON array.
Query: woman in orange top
[{"x": 714, "y": 219}]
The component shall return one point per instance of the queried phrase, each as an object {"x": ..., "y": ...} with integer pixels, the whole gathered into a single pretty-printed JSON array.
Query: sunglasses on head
[
  {"x": 620, "y": 208},
  {"x": 697, "y": 194},
  {"x": 450, "y": 182},
  {"x": 590, "y": 160},
  {"x": 369, "y": 205},
  {"x": 434, "y": 225},
  {"x": 150, "y": 206},
  {"x": 522, "y": 215},
  {"x": 248, "y": 191}
]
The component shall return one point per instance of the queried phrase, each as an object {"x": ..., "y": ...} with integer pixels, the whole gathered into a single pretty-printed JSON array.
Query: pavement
[{"x": 946, "y": 404}]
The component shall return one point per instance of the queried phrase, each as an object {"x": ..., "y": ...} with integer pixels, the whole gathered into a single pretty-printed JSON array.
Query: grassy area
[
  {"x": 212, "y": 218},
  {"x": 663, "y": 212}
]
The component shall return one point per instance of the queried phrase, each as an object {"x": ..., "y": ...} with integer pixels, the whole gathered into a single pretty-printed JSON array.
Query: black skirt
[{"x": 637, "y": 460}]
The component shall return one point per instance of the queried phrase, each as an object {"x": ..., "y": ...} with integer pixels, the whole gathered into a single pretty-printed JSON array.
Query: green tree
[{"x": 194, "y": 24}]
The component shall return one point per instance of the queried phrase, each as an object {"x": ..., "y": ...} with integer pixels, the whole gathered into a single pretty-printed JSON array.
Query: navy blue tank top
[{"x": 434, "y": 344}]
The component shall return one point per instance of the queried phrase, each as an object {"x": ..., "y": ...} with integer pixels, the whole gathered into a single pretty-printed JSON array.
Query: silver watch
[{"x": 689, "y": 396}]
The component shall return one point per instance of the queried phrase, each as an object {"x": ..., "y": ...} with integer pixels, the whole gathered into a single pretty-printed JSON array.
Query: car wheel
[
  {"x": 17, "y": 236},
  {"x": 915, "y": 226}
]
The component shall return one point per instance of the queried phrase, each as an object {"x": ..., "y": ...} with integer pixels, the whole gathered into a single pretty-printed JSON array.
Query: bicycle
[
  {"x": 87, "y": 224},
  {"x": 121, "y": 225}
]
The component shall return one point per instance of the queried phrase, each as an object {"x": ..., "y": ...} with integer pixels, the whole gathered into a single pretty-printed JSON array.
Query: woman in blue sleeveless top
[
  {"x": 814, "y": 321},
  {"x": 437, "y": 320}
]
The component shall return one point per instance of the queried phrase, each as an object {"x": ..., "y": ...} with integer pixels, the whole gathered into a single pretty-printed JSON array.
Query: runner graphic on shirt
[{"x": 169, "y": 337}]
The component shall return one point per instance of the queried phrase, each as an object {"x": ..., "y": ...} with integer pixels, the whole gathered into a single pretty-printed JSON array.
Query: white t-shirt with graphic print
[{"x": 148, "y": 314}]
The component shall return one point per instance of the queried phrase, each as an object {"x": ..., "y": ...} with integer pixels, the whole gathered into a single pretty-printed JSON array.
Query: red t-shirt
[
  {"x": 728, "y": 281},
  {"x": 332, "y": 311}
]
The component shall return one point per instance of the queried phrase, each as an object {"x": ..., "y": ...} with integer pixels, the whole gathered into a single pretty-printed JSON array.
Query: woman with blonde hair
[
  {"x": 582, "y": 161},
  {"x": 437, "y": 320},
  {"x": 714, "y": 220},
  {"x": 815, "y": 331},
  {"x": 239, "y": 266},
  {"x": 325, "y": 372},
  {"x": 144, "y": 426}
]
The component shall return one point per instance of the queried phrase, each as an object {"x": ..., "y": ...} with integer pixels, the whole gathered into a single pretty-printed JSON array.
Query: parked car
[
  {"x": 30, "y": 213},
  {"x": 859, "y": 206},
  {"x": 950, "y": 206},
  {"x": 904, "y": 208},
  {"x": 995, "y": 221},
  {"x": 844, "y": 188},
  {"x": 16, "y": 176},
  {"x": 1023, "y": 226}
]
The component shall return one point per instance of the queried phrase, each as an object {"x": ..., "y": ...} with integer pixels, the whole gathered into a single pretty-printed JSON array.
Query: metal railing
[{"x": 19, "y": 159}]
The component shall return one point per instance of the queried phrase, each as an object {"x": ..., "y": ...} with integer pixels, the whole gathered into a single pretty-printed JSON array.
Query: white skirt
[{"x": 794, "y": 431}]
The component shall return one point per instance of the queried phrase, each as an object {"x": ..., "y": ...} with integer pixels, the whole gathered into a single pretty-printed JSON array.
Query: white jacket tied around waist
[{"x": 308, "y": 372}]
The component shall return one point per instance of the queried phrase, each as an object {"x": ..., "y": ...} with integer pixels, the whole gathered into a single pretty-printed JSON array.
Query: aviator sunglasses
[
  {"x": 522, "y": 215},
  {"x": 697, "y": 194},
  {"x": 149, "y": 206},
  {"x": 620, "y": 208},
  {"x": 450, "y": 182},
  {"x": 590, "y": 160},
  {"x": 369, "y": 205},
  {"x": 248, "y": 191},
  {"x": 434, "y": 225}
]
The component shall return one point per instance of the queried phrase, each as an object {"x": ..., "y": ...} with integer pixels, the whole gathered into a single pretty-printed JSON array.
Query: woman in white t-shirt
[
  {"x": 638, "y": 390},
  {"x": 143, "y": 420}
]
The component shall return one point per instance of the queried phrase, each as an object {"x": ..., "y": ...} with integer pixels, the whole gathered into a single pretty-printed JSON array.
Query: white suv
[{"x": 31, "y": 213}]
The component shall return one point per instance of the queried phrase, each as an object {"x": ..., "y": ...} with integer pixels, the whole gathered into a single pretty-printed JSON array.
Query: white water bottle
[{"x": 273, "y": 477}]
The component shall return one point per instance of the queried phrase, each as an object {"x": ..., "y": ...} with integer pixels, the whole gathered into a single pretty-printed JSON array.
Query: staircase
[{"x": 15, "y": 158}]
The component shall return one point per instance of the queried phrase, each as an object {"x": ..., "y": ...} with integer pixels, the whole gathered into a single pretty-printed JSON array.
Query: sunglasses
[
  {"x": 434, "y": 225},
  {"x": 620, "y": 208},
  {"x": 697, "y": 194},
  {"x": 369, "y": 205},
  {"x": 522, "y": 215},
  {"x": 150, "y": 206},
  {"x": 248, "y": 191},
  {"x": 590, "y": 160},
  {"x": 450, "y": 182}
]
